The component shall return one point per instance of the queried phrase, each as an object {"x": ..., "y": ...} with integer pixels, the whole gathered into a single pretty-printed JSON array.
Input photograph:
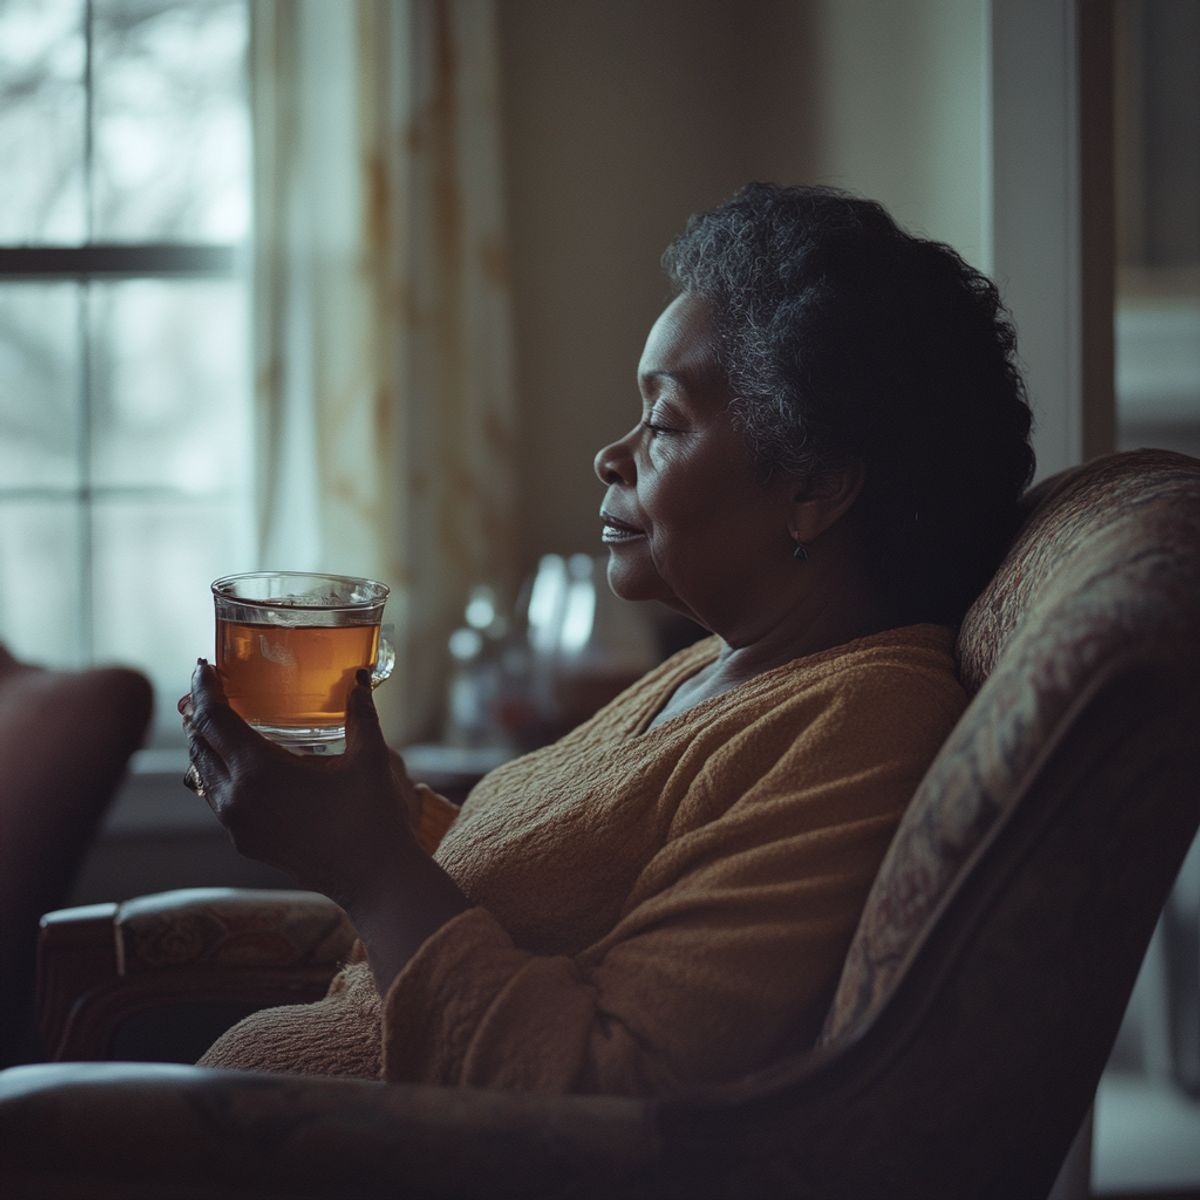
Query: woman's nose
[{"x": 613, "y": 463}]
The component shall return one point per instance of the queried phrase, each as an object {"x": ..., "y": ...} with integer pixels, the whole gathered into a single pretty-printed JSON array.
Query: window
[{"x": 124, "y": 393}]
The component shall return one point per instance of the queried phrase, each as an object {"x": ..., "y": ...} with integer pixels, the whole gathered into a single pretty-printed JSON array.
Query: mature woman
[{"x": 831, "y": 443}]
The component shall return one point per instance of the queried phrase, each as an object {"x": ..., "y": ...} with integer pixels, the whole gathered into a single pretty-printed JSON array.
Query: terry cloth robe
[{"x": 653, "y": 909}]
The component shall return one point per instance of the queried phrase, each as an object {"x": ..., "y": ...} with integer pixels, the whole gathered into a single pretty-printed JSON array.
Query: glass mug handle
[{"x": 385, "y": 657}]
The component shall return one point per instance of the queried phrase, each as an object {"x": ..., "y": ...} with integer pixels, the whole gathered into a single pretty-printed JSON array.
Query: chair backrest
[
  {"x": 1000, "y": 942},
  {"x": 65, "y": 740},
  {"x": 1106, "y": 566},
  {"x": 1082, "y": 656}
]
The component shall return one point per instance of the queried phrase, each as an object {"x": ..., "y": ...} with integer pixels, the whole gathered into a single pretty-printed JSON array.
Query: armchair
[
  {"x": 65, "y": 740},
  {"x": 977, "y": 1006},
  {"x": 158, "y": 978}
]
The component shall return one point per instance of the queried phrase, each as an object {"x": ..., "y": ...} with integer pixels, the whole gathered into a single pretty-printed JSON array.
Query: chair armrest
[
  {"x": 199, "y": 957},
  {"x": 141, "y": 1132}
]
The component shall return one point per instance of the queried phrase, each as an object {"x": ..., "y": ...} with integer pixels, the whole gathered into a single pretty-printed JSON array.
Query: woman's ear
[{"x": 823, "y": 500}]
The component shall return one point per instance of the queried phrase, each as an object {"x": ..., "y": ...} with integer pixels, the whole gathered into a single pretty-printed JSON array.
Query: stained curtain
[{"x": 384, "y": 384}]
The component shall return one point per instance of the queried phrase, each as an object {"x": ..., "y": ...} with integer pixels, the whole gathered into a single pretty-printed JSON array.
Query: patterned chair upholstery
[
  {"x": 160, "y": 977},
  {"x": 978, "y": 1003},
  {"x": 1106, "y": 563}
]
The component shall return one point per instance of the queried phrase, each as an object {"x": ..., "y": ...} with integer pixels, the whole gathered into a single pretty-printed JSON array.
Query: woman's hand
[
  {"x": 340, "y": 825},
  {"x": 333, "y": 824}
]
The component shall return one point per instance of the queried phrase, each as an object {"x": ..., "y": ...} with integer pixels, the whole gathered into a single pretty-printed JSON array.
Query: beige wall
[
  {"x": 899, "y": 108},
  {"x": 623, "y": 116}
]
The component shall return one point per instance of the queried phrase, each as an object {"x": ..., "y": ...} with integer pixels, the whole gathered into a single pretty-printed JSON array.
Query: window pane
[
  {"x": 42, "y": 119},
  {"x": 169, "y": 384},
  {"x": 41, "y": 602},
  {"x": 151, "y": 601},
  {"x": 39, "y": 385},
  {"x": 170, "y": 127}
]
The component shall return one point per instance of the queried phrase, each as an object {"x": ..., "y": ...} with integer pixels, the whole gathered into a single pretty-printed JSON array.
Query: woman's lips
[{"x": 616, "y": 530}]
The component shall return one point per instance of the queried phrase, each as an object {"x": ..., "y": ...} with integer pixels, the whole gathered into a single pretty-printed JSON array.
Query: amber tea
[
  {"x": 294, "y": 677},
  {"x": 288, "y": 647}
]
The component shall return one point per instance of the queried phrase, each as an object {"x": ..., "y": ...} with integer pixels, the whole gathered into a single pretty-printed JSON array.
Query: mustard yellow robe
[{"x": 653, "y": 908}]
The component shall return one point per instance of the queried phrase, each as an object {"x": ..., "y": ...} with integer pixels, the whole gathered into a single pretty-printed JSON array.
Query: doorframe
[{"x": 1050, "y": 212}]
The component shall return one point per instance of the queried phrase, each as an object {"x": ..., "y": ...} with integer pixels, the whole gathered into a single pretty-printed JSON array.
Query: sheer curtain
[{"x": 384, "y": 382}]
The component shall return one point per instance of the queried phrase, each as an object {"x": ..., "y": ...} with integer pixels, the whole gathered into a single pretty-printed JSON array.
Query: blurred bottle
[
  {"x": 586, "y": 644},
  {"x": 570, "y": 646},
  {"x": 476, "y": 677},
  {"x": 540, "y": 613}
]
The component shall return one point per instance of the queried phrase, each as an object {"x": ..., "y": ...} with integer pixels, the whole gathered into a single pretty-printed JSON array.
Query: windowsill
[
  {"x": 159, "y": 836},
  {"x": 153, "y": 798}
]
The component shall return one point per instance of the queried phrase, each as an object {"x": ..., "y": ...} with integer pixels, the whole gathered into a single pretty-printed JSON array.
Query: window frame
[{"x": 81, "y": 264}]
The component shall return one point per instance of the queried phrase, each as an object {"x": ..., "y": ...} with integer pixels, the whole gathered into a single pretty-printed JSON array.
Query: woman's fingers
[
  {"x": 209, "y": 715},
  {"x": 206, "y": 681},
  {"x": 208, "y": 773},
  {"x": 225, "y": 751},
  {"x": 363, "y": 733}
]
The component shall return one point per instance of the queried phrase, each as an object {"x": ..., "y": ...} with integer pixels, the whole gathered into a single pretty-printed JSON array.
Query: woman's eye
[{"x": 655, "y": 426}]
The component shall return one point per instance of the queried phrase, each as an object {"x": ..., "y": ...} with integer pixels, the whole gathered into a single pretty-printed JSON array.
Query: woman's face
[{"x": 686, "y": 519}]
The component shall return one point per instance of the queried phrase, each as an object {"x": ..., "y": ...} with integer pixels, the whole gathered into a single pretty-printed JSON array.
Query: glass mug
[{"x": 288, "y": 646}]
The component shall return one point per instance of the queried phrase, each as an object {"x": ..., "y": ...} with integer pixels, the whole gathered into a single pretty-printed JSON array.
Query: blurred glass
[
  {"x": 151, "y": 604},
  {"x": 604, "y": 643},
  {"x": 169, "y": 384},
  {"x": 42, "y": 121},
  {"x": 586, "y": 646},
  {"x": 40, "y": 382},
  {"x": 41, "y": 600},
  {"x": 168, "y": 76}
]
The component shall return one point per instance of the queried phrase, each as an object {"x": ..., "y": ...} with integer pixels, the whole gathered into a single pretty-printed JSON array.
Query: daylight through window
[{"x": 124, "y": 394}]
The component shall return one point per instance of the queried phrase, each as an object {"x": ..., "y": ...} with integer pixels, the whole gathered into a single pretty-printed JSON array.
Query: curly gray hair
[{"x": 844, "y": 338}]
